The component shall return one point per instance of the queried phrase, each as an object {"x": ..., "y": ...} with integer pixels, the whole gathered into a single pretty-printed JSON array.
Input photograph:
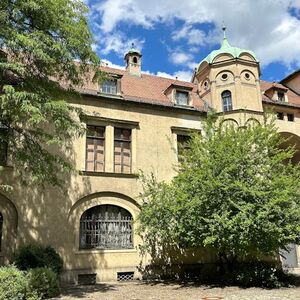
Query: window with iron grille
[
  {"x": 109, "y": 87},
  {"x": 95, "y": 139},
  {"x": 226, "y": 101},
  {"x": 106, "y": 227},
  {"x": 1, "y": 226},
  {"x": 122, "y": 150},
  {"x": 3, "y": 144},
  {"x": 182, "y": 98}
]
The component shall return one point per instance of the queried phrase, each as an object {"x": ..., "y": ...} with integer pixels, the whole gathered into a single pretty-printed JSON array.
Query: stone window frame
[{"x": 109, "y": 125}]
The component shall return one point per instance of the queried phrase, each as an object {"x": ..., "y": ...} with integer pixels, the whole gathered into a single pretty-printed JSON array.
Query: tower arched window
[
  {"x": 226, "y": 101},
  {"x": 135, "y": 60},
  {"x": 106, "y": 227},
  {"x": 1, "y": 226}
]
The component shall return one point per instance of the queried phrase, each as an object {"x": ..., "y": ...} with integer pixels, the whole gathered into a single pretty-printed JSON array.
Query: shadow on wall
[{"x": 35, "y": 213}]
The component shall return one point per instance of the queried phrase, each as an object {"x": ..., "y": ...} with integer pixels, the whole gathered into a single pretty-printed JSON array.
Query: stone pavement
[{"x": 173, "y": 291}]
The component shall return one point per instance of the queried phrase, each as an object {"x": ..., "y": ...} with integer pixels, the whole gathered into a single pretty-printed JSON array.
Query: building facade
[{"x": 136, "y": 122}]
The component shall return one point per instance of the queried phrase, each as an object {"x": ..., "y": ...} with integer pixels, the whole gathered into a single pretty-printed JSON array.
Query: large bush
[
  {"x": 44, "y": 282},
  {"x": 14, "y": 285},
  {"x": 38, "y": 256}
]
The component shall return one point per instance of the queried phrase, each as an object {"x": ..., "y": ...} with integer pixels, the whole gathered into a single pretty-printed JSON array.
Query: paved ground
[{"x": 173, "y": 291}]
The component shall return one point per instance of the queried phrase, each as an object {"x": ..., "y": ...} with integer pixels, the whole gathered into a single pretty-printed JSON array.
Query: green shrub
[
  {"x": 14, "y": 285},
  {"x": 44, "y": 282},
  {"x": 38, "y": 256}
]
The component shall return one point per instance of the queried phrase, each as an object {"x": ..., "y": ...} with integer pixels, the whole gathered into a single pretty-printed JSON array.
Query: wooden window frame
[
  {"x": 121, "y": 151},
  {"x": 226, "y": 100},
  {"x": 95, "y": 138},
  {"x": 183, "y": 92}
]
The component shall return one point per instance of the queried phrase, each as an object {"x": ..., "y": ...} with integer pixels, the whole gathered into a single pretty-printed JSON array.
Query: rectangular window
[
  {"x": 290, "y": 117},
  {"x": 3, "y": 145},
  {"x": 280, "y": 115},
  {"x": 182, "y": 98},
  {"x": 280, "y": 96},
  {"x": 109, "y": 87},
  {"x": 95, "y": 139},
  {"x": 122, "y": 150},
  {"x": 182, "y": 144}
]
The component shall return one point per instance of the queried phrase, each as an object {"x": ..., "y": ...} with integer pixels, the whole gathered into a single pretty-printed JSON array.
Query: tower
[
  {"x": 228, "y": 79},
  {"x": 133, "y": 61}
]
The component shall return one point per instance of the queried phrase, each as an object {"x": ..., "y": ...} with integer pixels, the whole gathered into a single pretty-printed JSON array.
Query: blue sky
[{"x": 175, "y": 35}]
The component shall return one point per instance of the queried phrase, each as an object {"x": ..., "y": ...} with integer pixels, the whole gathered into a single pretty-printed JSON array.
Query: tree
[
  {"x": 43, "y": 44},
  {"x": 236, "y": 192}
]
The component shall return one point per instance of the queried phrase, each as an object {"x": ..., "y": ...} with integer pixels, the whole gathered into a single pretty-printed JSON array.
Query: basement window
[{"x": 290, "y": 117}]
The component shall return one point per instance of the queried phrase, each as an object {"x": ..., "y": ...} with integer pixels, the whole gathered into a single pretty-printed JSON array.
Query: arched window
[
  {"x": 226, "y": 101},
  {"x": 106, "y": 227},
  {"x": 135, "y": 60},
  {"x": 1, "y": 226}
]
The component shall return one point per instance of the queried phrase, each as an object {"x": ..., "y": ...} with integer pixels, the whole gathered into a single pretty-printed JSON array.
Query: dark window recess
[
  {"x": 3, "y": 144},
  {"x": 280, "y": 115},
  {"x": 182, "y": 145},
  {"x": 87, "y": 279},
  {"x": 125, "y": 276},
  {"x": 95, "y": 148},
  {"x": 1, "y": 226},
  {"x": 290, "y": 117},
  {"x": 122, "y": 150},
  {"x": 106, "y": 227},
  {"x": 182, "y": 98},
  {"x": 280, "y": 96},
  {"x": 226, "y": 101}
]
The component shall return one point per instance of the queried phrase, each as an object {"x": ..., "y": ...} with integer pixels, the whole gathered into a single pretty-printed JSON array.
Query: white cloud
[
  {"x": 266, "y": 27},
  {"x": 179, "y": 57},
  {"x": 118, "y": 42},
  {"x": 107, "y": 63},
  {"x": 180, "y": 75},
  {"x": 193, "y": 36}
]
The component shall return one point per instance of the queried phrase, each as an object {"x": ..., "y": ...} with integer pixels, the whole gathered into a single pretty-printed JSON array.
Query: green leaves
[
  {"x": 236, "y": 191},
  {"x": 46, "y": 52}
]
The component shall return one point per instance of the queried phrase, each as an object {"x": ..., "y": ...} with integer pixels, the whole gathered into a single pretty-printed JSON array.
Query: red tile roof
[
  {"x": 293, "y": 98},
  {"x": 152, "y": 89},
  {"x": 149, "y": 89}
]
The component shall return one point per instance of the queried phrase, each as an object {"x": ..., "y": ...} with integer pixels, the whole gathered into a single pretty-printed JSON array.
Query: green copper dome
[{"x": 226, "y": 48}]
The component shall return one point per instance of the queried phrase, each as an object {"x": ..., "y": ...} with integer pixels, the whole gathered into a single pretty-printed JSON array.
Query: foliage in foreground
[
  {"x": 235, "y": 193},
  {"x": 14, "y": 285},
  {"x": 37, "y": 256},
  {"x": 43, "y": 282},
  {"x": 41, "y": 42}
]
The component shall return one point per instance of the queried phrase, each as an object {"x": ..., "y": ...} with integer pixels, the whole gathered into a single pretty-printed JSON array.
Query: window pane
[
  {"x": 109, "y": 87},
  {"x": 95, "y": 148},
  {"x": 122, "y": 150},
  {"x": 106, "y": 227},
  {"x": 182, "y": 98}
]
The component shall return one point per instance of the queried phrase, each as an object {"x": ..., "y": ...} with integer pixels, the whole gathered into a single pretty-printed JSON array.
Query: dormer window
[
  {"x": 281, "y": 96},
  {"x": 109, "y": 87},
  {"x": 182, "y": 98}
]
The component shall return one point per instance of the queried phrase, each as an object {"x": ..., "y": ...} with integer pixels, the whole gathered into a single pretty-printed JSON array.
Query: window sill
[
  {"x": 108, "y": 174},
  {"x": 91, "y": 251},
  {"x": 107, "y": 95}
]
